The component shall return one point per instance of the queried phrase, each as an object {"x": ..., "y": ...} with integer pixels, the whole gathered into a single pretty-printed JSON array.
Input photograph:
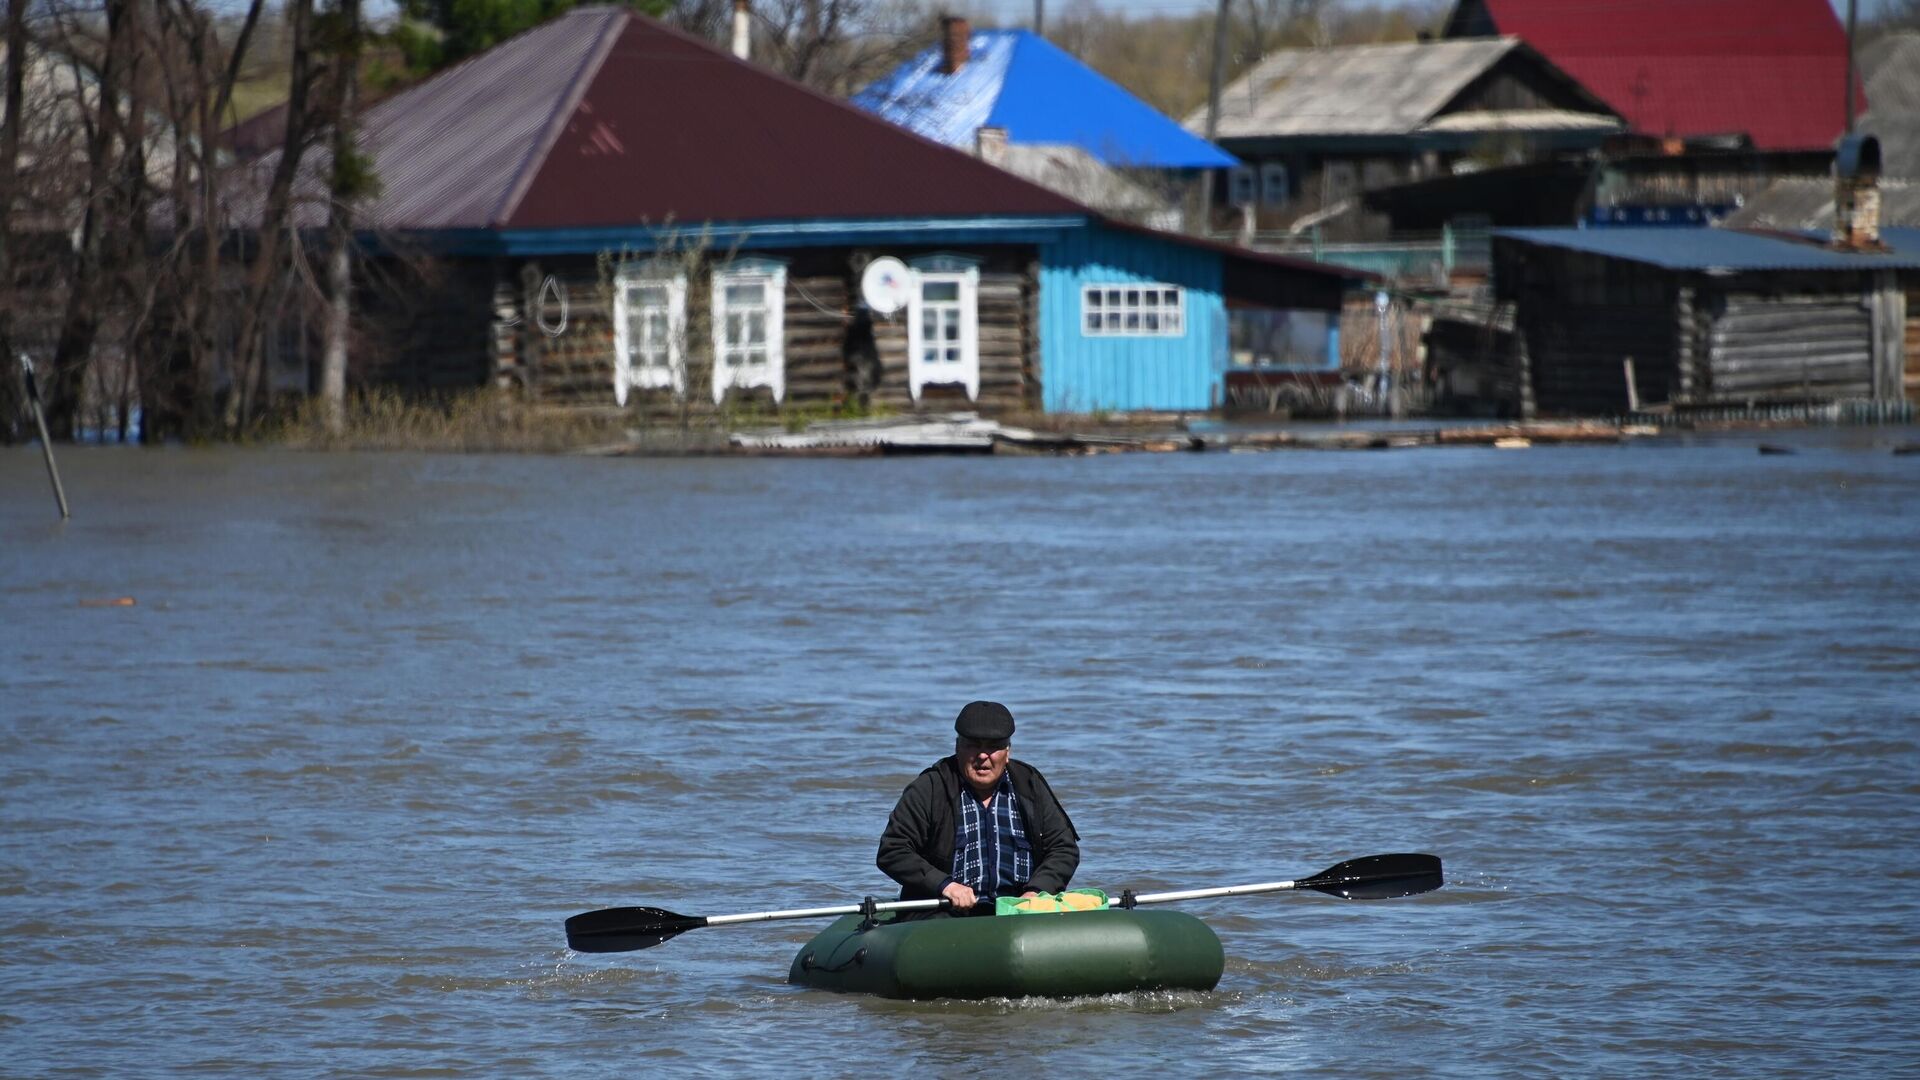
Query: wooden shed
[{"x": 1612, "y": 319}]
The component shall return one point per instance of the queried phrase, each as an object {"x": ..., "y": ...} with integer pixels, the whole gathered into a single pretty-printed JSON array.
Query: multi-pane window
[
  {"x": 749, "y": 304},
  {"x": 744, "y": 323},
  {"x": 942, "y": 341},
  {"x": 1133, "y": 310},
  {"x": 649, "y": 320},
  {"x": 943, "y": 329}
]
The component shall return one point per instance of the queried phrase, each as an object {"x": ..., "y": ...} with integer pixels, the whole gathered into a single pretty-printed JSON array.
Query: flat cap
[{"x": 984, "y": 721}]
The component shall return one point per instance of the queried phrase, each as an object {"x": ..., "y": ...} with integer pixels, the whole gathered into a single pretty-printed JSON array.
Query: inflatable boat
[{"x": 1071, "y": 954}]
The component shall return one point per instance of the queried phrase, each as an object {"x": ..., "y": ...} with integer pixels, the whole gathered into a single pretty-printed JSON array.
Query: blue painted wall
[{"x": 1081, "y": 373}]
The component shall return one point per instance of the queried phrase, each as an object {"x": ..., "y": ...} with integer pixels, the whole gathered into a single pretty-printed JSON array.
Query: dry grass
[{"x": 473, "y": 422}]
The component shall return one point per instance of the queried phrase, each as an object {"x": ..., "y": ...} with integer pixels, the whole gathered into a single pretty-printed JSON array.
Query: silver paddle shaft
[
  {"x": 820, "y": 912},
  {"x": 1202, "y": 894}
]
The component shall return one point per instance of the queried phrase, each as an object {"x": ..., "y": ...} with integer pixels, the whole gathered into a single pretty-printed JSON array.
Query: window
[
  {"x": 940, "y": 323},
  {"x": 1133, "y": 310},
  {"x": 1240, "y": 181},
  {"x": 749, "y": 304},
  {"x": 1338, "y": 180},
  {"x": 1274, "y": 189},
  {"x": 649, "y": 325},
  {"x": 943, "y": 330}
]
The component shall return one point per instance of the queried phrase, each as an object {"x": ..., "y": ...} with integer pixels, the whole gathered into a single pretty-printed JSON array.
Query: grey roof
[
  {"x": 1072, "y": 171},
  {"x": 1806, "y": 203},
  {"x": 1891, "y": 68},
  {"x": 1359, "y": 89},
  {"x": 1714, "y": 250},
  {"x": 455, "y": 151}
]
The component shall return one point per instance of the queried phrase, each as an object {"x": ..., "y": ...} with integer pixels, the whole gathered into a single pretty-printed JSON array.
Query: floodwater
[{"x": 318, "y": 802}]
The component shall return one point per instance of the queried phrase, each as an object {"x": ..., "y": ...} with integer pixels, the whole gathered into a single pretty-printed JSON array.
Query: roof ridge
[{"x": 616, "y": 21}]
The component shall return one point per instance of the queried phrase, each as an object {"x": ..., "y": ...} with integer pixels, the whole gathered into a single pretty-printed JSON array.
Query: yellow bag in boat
[{"x": 1051, "y": 903}]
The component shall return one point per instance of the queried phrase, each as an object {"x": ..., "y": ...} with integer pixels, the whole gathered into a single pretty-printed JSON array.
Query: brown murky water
[{"x": 319, "y": 801}]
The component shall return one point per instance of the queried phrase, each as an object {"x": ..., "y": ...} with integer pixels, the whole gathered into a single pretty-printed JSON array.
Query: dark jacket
[{"x": 916, "y": 850}]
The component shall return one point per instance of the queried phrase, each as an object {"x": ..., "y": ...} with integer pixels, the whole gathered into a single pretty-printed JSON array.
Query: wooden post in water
[{"x": 46, "y": 444}]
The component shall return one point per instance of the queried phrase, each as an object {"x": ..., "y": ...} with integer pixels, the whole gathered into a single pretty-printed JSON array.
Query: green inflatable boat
[{"x": 1070, "y": 954}]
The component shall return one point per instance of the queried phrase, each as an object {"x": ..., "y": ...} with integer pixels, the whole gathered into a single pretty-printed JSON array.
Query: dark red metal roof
[
  {"x": 1773, "y": 69},
  {"x": 672, "y": 128}
]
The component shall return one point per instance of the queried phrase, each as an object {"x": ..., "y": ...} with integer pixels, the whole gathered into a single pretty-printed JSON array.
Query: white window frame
[
  {"x": 919, "y": 372},
  {"x": 626, "y": 375},
  {"x": 773, "y": 374},
  {"x": 1099, "y": 297}
]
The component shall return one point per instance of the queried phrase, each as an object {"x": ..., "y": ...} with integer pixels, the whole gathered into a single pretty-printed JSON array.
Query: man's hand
[{"x": 960, "y": 896}]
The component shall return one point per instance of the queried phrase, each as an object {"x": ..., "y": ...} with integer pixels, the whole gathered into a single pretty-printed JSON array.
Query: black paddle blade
[
  {"x": 624, "y": 929},
  {"x": 1378, "y": 877}
]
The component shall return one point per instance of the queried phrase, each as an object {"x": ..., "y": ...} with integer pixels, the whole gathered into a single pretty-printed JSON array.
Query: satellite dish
[{"x": 885, "y": 285}]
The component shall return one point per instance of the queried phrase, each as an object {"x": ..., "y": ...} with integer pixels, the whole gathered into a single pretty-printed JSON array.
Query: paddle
[{"x": 624, "y": 929}]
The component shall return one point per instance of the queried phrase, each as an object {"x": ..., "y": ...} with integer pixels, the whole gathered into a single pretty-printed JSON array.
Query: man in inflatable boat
[{"x": 979, "y": 825}]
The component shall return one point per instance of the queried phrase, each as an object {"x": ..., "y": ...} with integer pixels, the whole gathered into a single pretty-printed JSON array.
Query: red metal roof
[
  {"x": 670, "y": 127},
  {"x": 1773, "y": 69}
]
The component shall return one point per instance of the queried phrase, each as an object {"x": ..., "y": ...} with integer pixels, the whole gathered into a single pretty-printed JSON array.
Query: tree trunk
[
  {"x": 10, "y": 384},
  {"x": 277, "y": 218},
  {"x": 347, "y": 181},
  {"x": 80, "y": 322}
]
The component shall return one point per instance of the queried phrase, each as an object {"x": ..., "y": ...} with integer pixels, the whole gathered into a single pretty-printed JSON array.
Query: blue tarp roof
[
  {"x": 1731, "y": 250},
  {"x": 1019, "y": 81}
]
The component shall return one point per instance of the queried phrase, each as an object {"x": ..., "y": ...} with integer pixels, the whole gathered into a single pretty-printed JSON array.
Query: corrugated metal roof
[
  {"x": 1351, "y": 90},
  {"x": 1732, "y": 250},
  {"x": 452, "y": 152},
  {"x": 948, "y": 109},
  {"x": 671, "y": 127},
  {"x": 1769, "y": 68},
  {"x": 1022, "y": 82},
  {"x": 602, "y": 117}
]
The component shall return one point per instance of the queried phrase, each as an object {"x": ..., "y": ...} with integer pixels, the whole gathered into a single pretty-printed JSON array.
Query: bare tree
[
  {"x": 103, "y": 217},
  {"x": 270, "y": 247},
  {"x": 16, "y": 65},
  {"x": 833, "y": 45}
]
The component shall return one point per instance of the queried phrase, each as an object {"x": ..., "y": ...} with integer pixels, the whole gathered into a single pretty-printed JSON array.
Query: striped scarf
[{"x": 1014, "y": 863}]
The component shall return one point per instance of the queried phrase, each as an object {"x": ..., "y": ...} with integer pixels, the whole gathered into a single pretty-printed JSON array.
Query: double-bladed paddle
[{"x": 1375, "y": 877}]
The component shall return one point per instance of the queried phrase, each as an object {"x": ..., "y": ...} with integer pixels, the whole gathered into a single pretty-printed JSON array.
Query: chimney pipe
[
  {"x": 1856, "y": 196},
  {"x": 742, "y": 33},
  {"x": 955, "y": 41},
  {"x": 990, "y": 145}
]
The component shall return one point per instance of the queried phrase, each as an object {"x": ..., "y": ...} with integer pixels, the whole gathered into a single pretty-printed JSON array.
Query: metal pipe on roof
[{"x": 742, "y": 31}]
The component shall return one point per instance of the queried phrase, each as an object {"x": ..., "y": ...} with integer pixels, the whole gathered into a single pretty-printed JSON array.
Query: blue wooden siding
[{"x": 1082, "y": 373}]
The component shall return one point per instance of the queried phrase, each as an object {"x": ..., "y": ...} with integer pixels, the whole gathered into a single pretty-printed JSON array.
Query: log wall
[
  {"x": 826, "y": 345},
  {"x": 1789, "y": 347},
  {"x": 1912, "y": 380}
]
